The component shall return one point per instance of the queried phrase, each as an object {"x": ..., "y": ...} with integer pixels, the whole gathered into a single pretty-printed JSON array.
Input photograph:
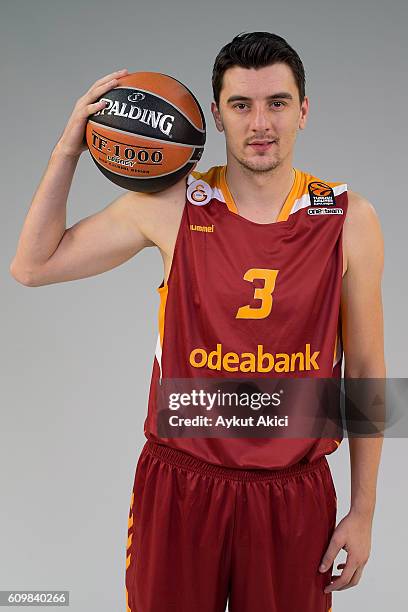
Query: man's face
[{"x": 260, "y": 106}]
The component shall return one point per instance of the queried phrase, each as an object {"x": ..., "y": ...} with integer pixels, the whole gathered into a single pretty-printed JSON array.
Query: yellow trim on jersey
[
  {"x": 287, "y": 206},
  {"x": 216, "y": 178},
  {"x": 290, "y": 200},
  {"x": 210, "y": 176},
  {"x": 222, "y": 182},
  {"x": 163, "y": 292}
]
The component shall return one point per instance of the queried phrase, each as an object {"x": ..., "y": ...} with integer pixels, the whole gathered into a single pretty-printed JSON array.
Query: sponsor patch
[
  {"x": 320, "y": 194},
  {"x": 324, "y": 211}
]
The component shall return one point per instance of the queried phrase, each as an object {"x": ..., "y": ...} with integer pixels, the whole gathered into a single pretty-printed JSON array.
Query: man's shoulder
[
  {"x": 363, "y": 239},
  {"x": 360, "y": 210}
]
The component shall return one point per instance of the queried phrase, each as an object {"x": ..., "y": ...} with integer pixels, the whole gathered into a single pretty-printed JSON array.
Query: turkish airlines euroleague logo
[
  {"x": 199, "y": 193},
  {"x": 320, "y": 194}
]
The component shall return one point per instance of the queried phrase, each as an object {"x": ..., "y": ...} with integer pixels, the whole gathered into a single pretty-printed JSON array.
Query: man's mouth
[{"x": 261, "y": 145}]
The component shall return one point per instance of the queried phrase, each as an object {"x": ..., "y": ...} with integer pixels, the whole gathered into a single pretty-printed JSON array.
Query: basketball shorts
[{"x": 203, "y": 537}]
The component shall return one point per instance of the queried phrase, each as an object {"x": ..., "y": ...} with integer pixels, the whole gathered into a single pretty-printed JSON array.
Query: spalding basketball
[{"x": 150, "y": 134}]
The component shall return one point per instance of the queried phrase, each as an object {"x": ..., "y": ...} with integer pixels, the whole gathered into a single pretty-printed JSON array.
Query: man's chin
[{"x": 260, "y": 164}]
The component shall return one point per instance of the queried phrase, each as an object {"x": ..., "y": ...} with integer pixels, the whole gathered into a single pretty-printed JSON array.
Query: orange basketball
[{"x": 150, "y": 134}]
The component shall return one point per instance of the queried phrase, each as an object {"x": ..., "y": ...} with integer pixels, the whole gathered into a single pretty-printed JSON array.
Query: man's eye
[{"x": 276, "y": 103}]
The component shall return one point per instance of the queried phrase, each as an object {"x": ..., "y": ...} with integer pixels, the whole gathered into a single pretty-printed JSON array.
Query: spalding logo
[
  {"x": 136, "y": 96},
  {"x": 199, "y": 193},
  {"x": 149, "y": 117}
]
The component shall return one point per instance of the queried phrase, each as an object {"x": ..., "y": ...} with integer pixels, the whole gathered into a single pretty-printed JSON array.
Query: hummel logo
[{"x": 201, "y": 228}]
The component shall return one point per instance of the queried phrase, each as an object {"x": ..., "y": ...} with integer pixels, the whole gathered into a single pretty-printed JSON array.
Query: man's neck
[{"x": 259, "y": 193}]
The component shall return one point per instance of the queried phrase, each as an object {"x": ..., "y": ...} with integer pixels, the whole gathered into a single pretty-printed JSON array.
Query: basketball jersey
[{"x": 239, "y": 289}]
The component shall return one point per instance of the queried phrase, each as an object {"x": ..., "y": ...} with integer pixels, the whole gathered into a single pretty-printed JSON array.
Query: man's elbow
[
  {"x": 24, "y": 277},
  {"x": 368, "y": 368}
]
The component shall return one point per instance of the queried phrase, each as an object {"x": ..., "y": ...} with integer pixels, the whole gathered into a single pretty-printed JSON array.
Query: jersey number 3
[{"x": 260, "y": 293}]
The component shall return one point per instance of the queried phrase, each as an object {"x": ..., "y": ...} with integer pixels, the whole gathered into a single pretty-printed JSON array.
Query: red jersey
[{"x": 239, "y": 290}]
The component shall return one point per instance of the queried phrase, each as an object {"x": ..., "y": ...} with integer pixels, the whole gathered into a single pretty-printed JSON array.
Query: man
[{"x": 257, "y": 255}]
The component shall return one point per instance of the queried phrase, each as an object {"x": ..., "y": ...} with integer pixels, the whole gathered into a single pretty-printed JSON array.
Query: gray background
[{"x": 77, "y": 356}]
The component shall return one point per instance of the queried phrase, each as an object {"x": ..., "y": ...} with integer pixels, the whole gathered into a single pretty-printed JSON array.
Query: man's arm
[
  {"x": 96, "y": 243},
  {"x": 48, "y": 253},
  {"x": 363, "y": 335},
  {"x": 363, "y": 342}
]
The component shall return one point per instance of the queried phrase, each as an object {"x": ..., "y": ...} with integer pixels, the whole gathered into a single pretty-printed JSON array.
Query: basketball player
[{"x": 247, "y": 270}]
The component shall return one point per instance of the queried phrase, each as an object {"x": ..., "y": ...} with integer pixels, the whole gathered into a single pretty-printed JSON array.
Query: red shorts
[{"x": 201, "y": 535}]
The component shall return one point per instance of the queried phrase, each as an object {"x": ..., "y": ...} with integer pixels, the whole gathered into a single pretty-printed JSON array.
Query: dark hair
[{"x": 256, "y": 50}]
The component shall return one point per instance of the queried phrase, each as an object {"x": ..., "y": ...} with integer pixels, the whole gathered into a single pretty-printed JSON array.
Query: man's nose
[{"x": 260, "y": 120}]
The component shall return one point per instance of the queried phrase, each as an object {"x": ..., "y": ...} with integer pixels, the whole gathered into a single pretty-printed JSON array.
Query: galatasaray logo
[{"x": 199, "y": 193}]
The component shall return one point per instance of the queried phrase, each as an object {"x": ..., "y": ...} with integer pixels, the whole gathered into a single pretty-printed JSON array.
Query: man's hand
[
  {"x": 353, "y": 534},
  {"x": 72, "y": 142}
]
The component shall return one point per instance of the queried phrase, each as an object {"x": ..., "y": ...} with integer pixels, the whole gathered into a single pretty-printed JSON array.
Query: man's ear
[
  {"x": 304, "y": 111},
  {"x": 217, "y": 117}
]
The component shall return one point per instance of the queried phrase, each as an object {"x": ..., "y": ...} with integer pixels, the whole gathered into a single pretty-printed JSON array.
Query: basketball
[{"x": 150, "y": 134}]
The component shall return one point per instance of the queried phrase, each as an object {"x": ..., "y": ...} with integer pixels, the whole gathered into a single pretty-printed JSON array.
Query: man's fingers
[
  {"x": 345, "y": 577},
  {"x": 105, "y": 79},
  {"x": 108, "y": 77},
  {"x": 330, "y": 554},
  {"x": 355, "y": 579},
  {"x": 97, "y": 92}
]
